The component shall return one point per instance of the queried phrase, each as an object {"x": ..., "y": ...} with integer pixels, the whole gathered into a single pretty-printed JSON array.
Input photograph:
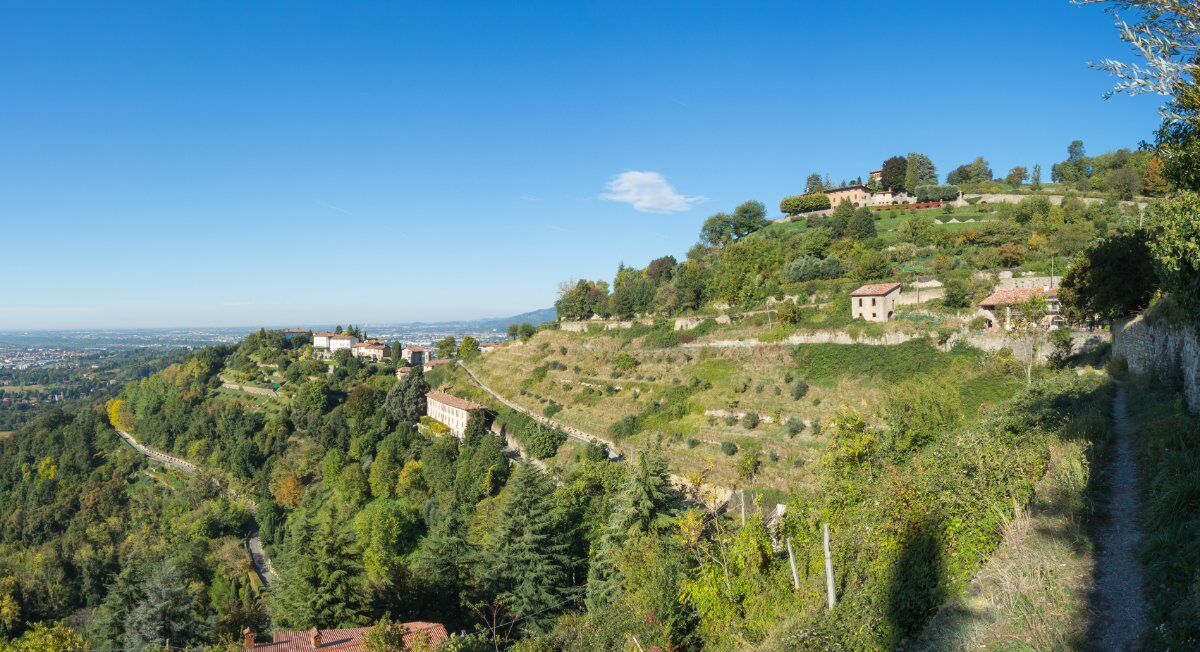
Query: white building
[
  {"x": 875, "y": 302},
  {"x": 321, "y": 339},
  {"x": 451, "y": 410},
  {"x": 339, "y": 342}
]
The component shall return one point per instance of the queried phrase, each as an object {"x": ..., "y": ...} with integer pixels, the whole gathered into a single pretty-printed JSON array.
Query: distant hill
[{"x": 534, "y": 317}]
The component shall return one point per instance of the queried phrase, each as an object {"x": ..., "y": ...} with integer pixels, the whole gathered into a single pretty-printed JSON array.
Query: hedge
[{"x": 796, "y": 204}]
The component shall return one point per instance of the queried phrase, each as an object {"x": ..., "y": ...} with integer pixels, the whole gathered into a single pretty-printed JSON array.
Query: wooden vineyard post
[
  {"x": 792, "y": 563},
  {"x": 828, "y": 570}
]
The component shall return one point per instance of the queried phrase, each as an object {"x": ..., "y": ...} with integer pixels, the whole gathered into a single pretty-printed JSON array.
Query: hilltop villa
[
  {"x": 875, "y": 302},
  {"x": 857, "y": 195},
  {"x": 451, "y": 410},
  {"x": 321, "y": 339}
]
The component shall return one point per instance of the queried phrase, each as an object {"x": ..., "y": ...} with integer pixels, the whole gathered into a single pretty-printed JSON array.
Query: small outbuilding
[{"x": 874, "y": 302}]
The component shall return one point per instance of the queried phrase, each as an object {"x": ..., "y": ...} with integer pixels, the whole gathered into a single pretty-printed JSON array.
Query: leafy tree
[
  {"x": 1178, "y": 138},
  {"x": 977, "y": 171},
  {"x": 446, "y": 347},
  {"x": 513, "y": 331},
  {"x": 862, "y": 225},
  {"x": 919, "y": 171},
  {"x": 660, "y": 270},
  {"x": 582, "y": 299},
  {"x": 724, "y": 228},
  {"x": 1174, "y": 227},
  {"x": 1154, "y": 180},
  {"x": 164, "y": 615},
  {"x": 385, "y": 470},
  {"x": 1035, "y": 177},
  {"x": 958, "y": 294},
  {"x": 527, "y": 331},
  {"x": 813, "y": 184},
  {"x": 632, "y": 293},
  {"x": 1016, "y": 176},
  {"x": 523, "y": 560},
  {"x": 839, "y": 221},
  {"x": 934, "y": 192},
  {"x": 893, "y": 174},
  {"x": 352, "y": 485},
  {"x": 468, "y": 347},
  {"x": 870, "y": 265},
  {"x": 288, "y": 491},
  {"x": 386, "y": 530},
  {"x": 1124, "y": 182},
  {"x": 919, "y": 411},
  {"x": 918, "y": 229},
  {"x": 43, "y": 638}
]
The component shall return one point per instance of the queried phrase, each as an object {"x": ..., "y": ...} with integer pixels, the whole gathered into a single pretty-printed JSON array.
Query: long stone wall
[{"x": 1156, "y": 348}]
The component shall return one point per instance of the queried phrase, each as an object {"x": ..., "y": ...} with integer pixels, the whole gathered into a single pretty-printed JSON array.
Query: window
[
  {"x": 872, "y": 300},
  {"x": 872, "y": 315},
  {"x": 860, "y": 303}
]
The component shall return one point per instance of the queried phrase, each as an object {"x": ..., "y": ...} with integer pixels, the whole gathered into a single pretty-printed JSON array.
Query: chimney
[
  {"x": 316, "y": 637},
  {"x": 248, "y": 636}
]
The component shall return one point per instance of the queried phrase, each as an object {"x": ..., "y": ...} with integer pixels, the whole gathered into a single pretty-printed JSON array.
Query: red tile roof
[
  {"x": 1016, "y": 295},
  {"x": 347, "y": 640},
  {"x": 875, "y": 290},
  {"x": 341, "y": 337},
  {"x": 453, "y": 401},
  {"x": 324, "y": 334},
  {"x": 374, "y": 344}
]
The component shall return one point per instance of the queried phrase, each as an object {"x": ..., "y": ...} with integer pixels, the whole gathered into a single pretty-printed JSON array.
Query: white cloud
[{"x": 648, "y": 192}]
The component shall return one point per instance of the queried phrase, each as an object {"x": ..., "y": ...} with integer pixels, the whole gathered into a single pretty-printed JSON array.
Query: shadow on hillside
[{"x": 918, "y": 579}]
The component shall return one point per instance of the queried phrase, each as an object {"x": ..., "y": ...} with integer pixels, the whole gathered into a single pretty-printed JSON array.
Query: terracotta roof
[
  {"x": 1016, "y": 295},
  {"x": 347, "y": 640},
  {"x": 324, "y": 334},
  {"x": 341, "y": 337},
  {"x": 439, "y": 361},
  {"x": 453, "y": 401},
  {"x": 875, "y": 290},
  {"x": 373, "y": 344},
  {"x": 413, "y": 347},
  {"x": 856, "y": 186}
]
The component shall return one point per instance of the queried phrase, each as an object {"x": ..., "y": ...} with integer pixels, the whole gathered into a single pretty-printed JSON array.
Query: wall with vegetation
[{"x": 1160, "y": 347}]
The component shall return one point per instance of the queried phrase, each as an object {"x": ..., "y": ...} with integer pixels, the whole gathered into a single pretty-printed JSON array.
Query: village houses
[
  {"x": 413, "y": 355},
  {"x": 416, "y": 636},
  {"x": 875, "y": 302},
  {"x": 451, "y": 410},
  {"x": 1002, "y": 308}
]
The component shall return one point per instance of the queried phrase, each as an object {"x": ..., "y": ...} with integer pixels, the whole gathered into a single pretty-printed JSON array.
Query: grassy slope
[{"x": 594, "y": 396}]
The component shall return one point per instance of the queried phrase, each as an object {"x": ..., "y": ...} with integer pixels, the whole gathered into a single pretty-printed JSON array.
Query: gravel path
[{"x": 1121, "y": 619}]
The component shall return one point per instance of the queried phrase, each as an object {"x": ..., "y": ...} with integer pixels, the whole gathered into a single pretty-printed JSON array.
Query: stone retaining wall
[{"x": 1159, "y": 348}]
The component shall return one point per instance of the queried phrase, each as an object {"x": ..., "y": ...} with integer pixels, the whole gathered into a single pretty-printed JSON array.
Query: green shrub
[
  {"x": 750, "y": 421},
  {"x": 624, "y": 362},
  {"x": 730, "y": 420},
  {"x": 729, "y": 448},
  {"x": 797, "y": 204},
  {"x": 794, "y": 427},
  {"x": 799, "y": 389},
  {"x": 551, "y": 410}
]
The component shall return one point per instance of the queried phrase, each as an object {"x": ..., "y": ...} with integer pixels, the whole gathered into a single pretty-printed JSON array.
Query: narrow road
[
  {"x": 1121, "y": 618},
  {"x": 258, "y": 556}
]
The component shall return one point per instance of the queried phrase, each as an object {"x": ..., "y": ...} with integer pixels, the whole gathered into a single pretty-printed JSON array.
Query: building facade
[
  {"x": 876, "y": 302},
  {"x": 1002, "y": 309},
  {"x": 321, "y": 339},
  {"x": 857, "y": 195},
  {"x": 413, "y": 355},
  {"x": 371, "y": 349},
  {"x": 451, "y": 410}
]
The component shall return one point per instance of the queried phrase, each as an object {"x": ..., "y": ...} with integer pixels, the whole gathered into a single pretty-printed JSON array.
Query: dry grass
[{"x": 1034, "y": 593}]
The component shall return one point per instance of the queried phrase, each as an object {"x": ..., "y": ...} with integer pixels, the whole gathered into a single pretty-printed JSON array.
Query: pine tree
[
  {"x": 441, "y": 560},
  {"x": 164, "y": 614},
  {"x": 1035, "y": 177},
  {"x": 640, "y": 507},
  {"x": 337, "y": 588},
  {"x": 124, "y": 594},
  {"x": 524, "y": 561},
  {"x": 813, "y": 183}
]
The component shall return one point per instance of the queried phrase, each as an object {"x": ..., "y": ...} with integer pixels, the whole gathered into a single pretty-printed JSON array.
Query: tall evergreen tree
[
  {"x": 919, "y": 172},
  {"x": 893, "y": 173},
  {"x": 640, "y": 508},
  {"x": 813, "y": 183},
  {"x": 164, "y": 614},
  {"x": 124, "y": 595},
  {"x": 322, "y": 585},
  {"x": 406, "y": 400},
  {"x": 524, "y": 561}
]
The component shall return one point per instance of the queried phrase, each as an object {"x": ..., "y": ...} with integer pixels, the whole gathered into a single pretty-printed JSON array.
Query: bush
[
  {"x": 936, "y": 193},
  {"x": 797, "y": 204},
  {"x": 811, "y": 268},
  {"x": 750, "y": 421},
  {"x": 794, "y": 427},
  {"x": 551, "y": 410},
  {"x": 790, "y": 313},
  {"x": 729, "y": 448},
  {"x": 730, "y": 420},
  {"x": 624, "y": 362},
  {"x": 799, "y": 389}
]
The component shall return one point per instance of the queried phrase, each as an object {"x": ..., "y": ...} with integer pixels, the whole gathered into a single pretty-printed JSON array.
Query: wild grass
[{"x": 1168, "y": 441}]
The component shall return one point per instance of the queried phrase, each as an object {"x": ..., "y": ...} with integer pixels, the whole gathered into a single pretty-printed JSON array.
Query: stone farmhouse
[
  {"x": 1001, "y": 307},
  {"x": 417, "y": 636},
  {"x": 371, "y": 349},
  {"x": 451, "y": 410},
  {"x": 857, "y": 195},
  {"x": 413, "y": 355},
  {"x": 875, "y": 302}
]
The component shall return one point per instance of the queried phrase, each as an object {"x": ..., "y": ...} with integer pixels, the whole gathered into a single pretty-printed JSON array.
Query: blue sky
[{"x": 232, "y": 163}]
